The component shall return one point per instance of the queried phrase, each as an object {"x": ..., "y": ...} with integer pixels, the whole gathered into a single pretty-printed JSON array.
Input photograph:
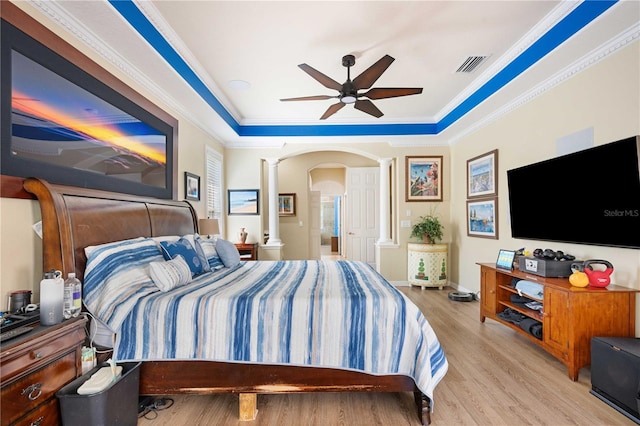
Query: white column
[
  {"x": 385, "y": 201},
  {"x": 274, "y": 220}
]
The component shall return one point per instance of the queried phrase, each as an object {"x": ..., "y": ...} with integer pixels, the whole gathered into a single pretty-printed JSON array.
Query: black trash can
[{"x": 116, "y": 405}]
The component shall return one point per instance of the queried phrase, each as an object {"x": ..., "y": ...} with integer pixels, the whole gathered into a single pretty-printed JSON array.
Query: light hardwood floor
[{"x": 495, "y": 377}]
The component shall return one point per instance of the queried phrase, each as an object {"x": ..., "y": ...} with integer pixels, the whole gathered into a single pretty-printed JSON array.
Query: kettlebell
[
  {"x": 598, "y": 278},
  {"x": 578, "y": 278}
]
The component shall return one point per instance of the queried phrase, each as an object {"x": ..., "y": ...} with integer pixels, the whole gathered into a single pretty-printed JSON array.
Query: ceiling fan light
[{"x": 348, "y": 99}]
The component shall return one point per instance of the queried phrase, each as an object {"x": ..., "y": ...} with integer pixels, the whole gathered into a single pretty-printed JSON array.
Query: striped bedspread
[{"x": 335, "y": 314}]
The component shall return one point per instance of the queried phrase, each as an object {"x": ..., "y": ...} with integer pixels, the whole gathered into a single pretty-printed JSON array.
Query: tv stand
[{"x": 571, "y": 316}]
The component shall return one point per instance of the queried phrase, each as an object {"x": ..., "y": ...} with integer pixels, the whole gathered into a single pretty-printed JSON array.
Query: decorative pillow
[
  {"x": 203, "y": 259},
  {"x": 228, "y": 253},
  {"x": 171, "y": 273},
  {"x": 208, "y": 247},
  {"x": 184, "y": 248}
]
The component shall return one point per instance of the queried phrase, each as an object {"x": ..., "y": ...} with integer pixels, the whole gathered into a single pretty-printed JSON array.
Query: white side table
[{"x": 427, "y": 265}]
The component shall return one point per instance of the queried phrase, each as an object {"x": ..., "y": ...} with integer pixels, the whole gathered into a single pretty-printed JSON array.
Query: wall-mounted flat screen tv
[
  {"x": 66, "y": 126},
  {"x": 587, "y": 197}
]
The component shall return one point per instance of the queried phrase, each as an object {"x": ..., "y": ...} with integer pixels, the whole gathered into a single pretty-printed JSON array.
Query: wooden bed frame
[{"x": 73, "y": 218}]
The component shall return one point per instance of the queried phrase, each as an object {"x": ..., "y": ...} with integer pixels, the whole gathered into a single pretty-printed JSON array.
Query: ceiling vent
[{"x": 471, "y": 63}]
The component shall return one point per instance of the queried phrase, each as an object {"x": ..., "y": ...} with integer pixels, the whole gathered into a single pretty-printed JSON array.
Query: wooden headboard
[{"x": 74, "y": 218}]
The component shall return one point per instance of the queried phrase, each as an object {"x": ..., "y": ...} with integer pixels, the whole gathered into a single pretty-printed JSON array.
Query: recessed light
[{"x": 239, "y": 85}]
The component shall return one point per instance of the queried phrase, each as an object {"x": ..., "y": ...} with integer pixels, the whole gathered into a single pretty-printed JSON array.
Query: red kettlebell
[{"x": 598, "y": 278}]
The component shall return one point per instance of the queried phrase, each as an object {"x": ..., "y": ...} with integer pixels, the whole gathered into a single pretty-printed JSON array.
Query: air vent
[{"x": 471, "y": 63}]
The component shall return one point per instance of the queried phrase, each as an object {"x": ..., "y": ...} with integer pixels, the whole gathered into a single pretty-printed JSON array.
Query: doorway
[
  {"x": 328, "y": 180},
  {"x": 330, "y": 231}
]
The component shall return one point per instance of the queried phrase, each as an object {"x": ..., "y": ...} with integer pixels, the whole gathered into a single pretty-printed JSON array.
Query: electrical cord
[{"x": 150, "y": 411}]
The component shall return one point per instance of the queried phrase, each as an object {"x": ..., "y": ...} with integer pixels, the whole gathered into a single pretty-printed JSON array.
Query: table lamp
[{"x": 209, "y": 227}]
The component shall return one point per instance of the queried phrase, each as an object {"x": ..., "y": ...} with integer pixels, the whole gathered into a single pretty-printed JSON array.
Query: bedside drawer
[
  {"x": 45, "y": 415},
  {"x": 23, "y": 360},
  {"x": 27, "y": 393}
]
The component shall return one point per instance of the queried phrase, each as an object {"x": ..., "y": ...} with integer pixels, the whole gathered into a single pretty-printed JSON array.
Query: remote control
[{"x": 15, "y": 332}]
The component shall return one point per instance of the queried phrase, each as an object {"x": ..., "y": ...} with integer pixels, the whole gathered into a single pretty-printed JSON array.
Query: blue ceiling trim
[
  {"x": 582, "y": 15},
  {"x": 340, "y": 130},
  {"x": 132, "y": 14},
  {"x": 563, "y": 30}
]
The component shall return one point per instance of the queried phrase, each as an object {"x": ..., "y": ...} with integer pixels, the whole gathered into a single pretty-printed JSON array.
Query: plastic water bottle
[
  {"x": 51, "y": 298},
  {"x": 72, "y": 296}
]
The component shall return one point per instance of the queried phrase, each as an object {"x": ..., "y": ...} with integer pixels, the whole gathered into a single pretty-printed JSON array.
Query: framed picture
[
  {"x": 76, "y": 124},
  {"x": 191, "y": 186},
  {"x": 482, "y": 218},
  {"x": 243, "y": 201},
  {"x": 423, "y": 182},
  {"x": 482, "y": 175},
  {"x": 287, "y": 204}
]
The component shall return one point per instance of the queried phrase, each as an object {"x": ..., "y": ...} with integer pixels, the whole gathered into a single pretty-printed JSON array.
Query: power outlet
[{"x": 405, "y": 224}]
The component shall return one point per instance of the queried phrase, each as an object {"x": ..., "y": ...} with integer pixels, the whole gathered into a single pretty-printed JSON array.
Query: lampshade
[{"x": 209, "y": 227}]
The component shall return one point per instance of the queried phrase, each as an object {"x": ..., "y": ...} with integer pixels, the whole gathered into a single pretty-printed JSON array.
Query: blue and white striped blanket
[{"x": 308, "y": 313}]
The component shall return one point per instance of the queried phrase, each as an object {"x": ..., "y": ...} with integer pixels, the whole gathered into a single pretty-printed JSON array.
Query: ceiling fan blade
[
  {"x": 368, "y": 107},
  {"x": 391, "y": 92},
  {"x": 309, "y": 98},
  {"x": 327, "y": 82},
  {"x": 332, "y": 110},
  {"x": 371, "y": 74}
]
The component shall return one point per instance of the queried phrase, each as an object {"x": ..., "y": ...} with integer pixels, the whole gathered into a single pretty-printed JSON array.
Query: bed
[{"x": 251, "y": 328}]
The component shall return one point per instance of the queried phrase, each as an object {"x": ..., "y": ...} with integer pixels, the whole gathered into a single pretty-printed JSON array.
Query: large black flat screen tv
[{"x": 587, "y": 197}]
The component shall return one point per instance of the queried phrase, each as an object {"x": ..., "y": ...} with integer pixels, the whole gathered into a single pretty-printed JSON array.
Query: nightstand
[
  {"x": 36, "y": 365},
  {"x": 248, "y": 251}
]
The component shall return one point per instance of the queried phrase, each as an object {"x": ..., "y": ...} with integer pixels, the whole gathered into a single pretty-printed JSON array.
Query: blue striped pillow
[
  {"x": 116, "y": 275},
  {"x": 208, "y": 247},
  {"x": 171, "y": 273}
]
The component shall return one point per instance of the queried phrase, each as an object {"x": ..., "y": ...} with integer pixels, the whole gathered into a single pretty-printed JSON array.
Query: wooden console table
[{"x": 571, "y": 316}]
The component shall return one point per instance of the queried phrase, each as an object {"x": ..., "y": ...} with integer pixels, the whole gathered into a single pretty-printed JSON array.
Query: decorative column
[
  {"x": 384, "y": 201},
  {"x": 274, "y": 222}
]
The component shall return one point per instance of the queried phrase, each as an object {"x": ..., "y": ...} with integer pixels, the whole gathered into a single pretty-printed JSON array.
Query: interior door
[
  {"x": 362, "y": 213},
  {"x": 315, "y": 225}
]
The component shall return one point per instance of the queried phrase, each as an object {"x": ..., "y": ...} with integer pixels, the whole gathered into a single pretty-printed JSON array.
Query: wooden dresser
[
  {"x": 34, "y": 367},
  {"x": 571, "y": 316}
]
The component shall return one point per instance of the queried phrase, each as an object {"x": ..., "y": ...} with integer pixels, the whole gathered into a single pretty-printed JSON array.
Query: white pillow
[{"x": 171, "y": 273}]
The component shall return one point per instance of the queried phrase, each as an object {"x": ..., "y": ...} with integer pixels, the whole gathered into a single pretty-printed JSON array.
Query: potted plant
[{"x": 428, "y": 228}]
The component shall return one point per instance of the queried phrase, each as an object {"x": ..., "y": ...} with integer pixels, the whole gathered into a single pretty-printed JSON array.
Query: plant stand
[{"x": 427, "y": 265}]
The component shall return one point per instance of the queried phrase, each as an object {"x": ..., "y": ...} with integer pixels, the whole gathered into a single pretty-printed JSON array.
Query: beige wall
[
  {"x": 293, "y": 176},
  {"x": 605, "y": 97}
]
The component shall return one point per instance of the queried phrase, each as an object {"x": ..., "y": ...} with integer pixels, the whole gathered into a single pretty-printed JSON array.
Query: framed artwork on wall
[
  {"x": 287, "y": 204},
  {"x": 243, "y": 201},
  {"x": 191, "y": 186},
  {"x": 78, "y": 125},
  {"x": 482, "y": 218},
  {"x": 482, "y": 175},
  {"x": 423, "y": 178}
]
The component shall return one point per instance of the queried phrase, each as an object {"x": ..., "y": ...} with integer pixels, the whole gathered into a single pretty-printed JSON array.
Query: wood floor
[{"x": 495, "y": 377}]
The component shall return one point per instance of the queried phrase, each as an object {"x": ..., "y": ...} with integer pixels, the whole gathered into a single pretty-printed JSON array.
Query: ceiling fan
[{"x": 348, "y": 91}]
